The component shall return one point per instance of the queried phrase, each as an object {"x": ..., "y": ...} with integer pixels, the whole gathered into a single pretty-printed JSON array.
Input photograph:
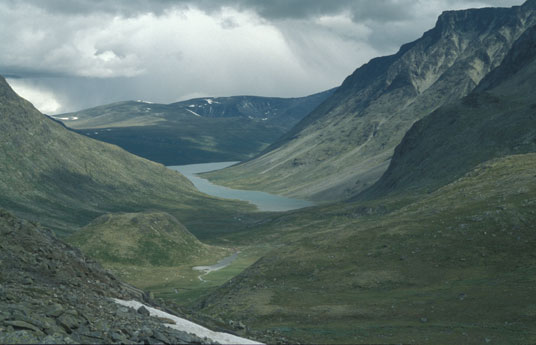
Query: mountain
[
  {"x": 346, "y": 144},
  {"x": 139, "y": 239},
  {"x": 497, "y": 119},
  {"x": 52, "y": 294},
  {"x": 65, "y": 180},
  {"x": 200, "y": 130}
]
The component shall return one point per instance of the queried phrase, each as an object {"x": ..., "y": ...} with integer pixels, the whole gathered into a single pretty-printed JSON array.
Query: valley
[{"x": 399, "y": 207}]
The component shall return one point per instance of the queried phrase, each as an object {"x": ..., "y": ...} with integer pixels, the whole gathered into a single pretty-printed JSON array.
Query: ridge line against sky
[{"x": 66, "y": 55}]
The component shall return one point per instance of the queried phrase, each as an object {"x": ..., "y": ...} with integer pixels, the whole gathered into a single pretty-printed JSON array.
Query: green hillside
[
  {"x": 456, "y": 267},
  {"x": 64, "y": 180},
  {"x": 140, "y": 239}
]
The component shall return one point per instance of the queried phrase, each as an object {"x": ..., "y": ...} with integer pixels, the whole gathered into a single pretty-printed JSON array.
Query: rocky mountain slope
[
  {"x": 52, "y": 294},
  {"x": 346, "y": 144},
  {"x": 195, "y": 131},
  {"x": 498, "y": 118},
  {"x": 64, "y": 180}
]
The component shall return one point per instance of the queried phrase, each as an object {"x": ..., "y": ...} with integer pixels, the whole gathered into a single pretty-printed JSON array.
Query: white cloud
[
  {"x": 44, "y": 100},
  {"x": 106, "y": 55}
]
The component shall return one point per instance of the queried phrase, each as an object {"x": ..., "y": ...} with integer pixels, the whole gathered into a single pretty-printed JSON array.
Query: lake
[{"x": 263, "y": 201}]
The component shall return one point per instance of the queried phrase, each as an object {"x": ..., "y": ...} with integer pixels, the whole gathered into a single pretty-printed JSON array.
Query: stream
[{"x": 217, "y": 266}]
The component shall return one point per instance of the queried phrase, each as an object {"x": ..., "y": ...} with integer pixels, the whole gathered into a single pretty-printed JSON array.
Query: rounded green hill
[{"x": 140, "y": 239}]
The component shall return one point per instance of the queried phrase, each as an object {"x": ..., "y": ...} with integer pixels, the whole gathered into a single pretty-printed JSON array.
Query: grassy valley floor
[{"x": 456, "y": 266}]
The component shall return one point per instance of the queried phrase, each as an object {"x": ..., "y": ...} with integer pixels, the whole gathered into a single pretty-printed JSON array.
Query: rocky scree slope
[
  {"x": 52, "y": 294},
  {"x": 497, "y": 119},
  {"x": 346, "y": 144},
  {"x": 200, "y": 130},
  {"x": 64, "y": 180}
]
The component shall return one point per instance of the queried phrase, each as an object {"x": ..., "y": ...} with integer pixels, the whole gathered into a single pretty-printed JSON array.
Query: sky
[{"x": 68, "y": 55}]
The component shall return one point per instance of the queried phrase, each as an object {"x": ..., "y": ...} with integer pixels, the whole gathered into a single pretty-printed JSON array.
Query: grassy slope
[
  {"x": 65, "y": 180},
  {"x": 155, "y": 252},
  {"x": 345, "y": 145},
  {"x": 140, "y": 239},
  {"x": 455, "y": 267},
  {"x": 452, "y": 266}
]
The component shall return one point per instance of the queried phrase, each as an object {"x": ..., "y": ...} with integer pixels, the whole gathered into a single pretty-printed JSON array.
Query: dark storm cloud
[
  {"x": 381, "y": 10},
  {"x": 271, "y": 10}
]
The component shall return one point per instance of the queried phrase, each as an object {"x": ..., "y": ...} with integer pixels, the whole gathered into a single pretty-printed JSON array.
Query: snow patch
[
  {"x": 209, "y": 101},
  {"x": 146, "y": 102},
  {"x": 264, "y": 119},
  {"x": 191, "y": 106},
  {"x": 188, "y": 326},
  {"x": 64, "y": 118},
  {"x": 193, "y": 112}
]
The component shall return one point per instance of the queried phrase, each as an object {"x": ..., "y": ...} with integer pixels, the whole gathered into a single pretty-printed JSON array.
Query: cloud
[
  {"x": 382, "y": 10},
  {"x": 90, "y": 52},
  {"x": 44, "y": 100}
]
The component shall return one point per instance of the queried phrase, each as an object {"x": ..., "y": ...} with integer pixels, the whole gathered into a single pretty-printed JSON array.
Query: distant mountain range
[
  {"x": 200, "y": 130},
  {"x": 346, "y": 144}
]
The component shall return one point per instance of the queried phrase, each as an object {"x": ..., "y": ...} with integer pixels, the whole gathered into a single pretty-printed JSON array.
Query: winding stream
[{"x": 217, "y": 266}]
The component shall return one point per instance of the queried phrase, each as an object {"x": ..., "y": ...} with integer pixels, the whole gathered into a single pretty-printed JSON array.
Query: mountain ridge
[{"x": 346, "y": 144}]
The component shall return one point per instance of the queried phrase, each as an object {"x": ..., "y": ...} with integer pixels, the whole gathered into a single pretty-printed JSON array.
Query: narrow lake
[{"x": 263, "y": 201}]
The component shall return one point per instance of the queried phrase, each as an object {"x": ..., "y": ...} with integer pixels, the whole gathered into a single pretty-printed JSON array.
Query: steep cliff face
[
  {"x": 497, "y": 119},
  {"x": 346, "y": 144}
]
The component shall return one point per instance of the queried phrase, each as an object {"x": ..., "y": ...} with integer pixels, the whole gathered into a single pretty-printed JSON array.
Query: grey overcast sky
[{"x": 66, "y": 55}]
